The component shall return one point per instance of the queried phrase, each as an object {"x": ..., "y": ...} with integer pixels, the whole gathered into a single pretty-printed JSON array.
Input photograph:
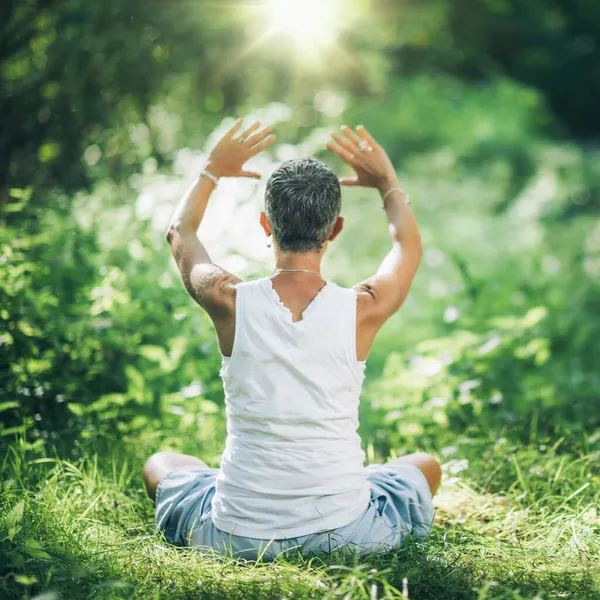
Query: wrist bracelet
[
  {"x": 214, "y": 178},
  {"x": 395, "y": 189}
]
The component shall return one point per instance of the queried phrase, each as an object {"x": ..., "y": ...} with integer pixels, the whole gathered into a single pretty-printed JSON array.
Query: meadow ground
[{"x": 513, "y": 522}]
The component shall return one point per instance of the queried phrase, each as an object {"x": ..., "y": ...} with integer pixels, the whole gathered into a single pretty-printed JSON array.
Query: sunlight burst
[{"x": 311, "y": 22}]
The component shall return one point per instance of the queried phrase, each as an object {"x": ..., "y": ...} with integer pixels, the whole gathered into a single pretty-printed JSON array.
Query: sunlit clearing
[{"x": 311, "y": 22}]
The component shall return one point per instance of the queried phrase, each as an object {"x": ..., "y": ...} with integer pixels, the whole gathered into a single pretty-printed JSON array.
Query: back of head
[{"x": 303, "y": 200}]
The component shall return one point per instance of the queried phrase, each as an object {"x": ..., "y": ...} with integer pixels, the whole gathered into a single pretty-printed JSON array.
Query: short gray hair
[{"x": 303, "y": 200}]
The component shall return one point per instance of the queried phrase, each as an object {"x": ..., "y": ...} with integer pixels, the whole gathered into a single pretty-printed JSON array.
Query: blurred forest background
[{"x": 490, "y": 112}]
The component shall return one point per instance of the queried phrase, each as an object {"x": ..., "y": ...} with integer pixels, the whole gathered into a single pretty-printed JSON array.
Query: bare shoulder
[
  {"x": 369, "y": 319},
  {"x": 368, "y": 308}
]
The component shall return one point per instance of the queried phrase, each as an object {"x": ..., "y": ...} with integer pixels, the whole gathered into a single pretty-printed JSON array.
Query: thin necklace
[{"x": 276, "y": 270}]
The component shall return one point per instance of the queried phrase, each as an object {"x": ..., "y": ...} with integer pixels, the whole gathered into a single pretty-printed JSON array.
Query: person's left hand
[{"x": 231, "y": 153}]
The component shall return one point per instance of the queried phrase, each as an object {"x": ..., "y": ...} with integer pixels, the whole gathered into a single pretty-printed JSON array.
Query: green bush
[{"x": 96, "y": 343}]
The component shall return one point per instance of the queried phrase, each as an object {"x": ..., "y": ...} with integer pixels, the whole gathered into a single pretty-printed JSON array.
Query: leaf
[
  {"x": 14, "y": 207},
  {"x": 16, "y": 430},
  {"x": 8, "y": 405},
  {"x": 505, "y": 322},
  {"x": 156, "y": 354},
  {"x": 15, "y": 514},
  {"x": 20, "y": 193},
  {"x": 13, "y": 518},
  {"x": 174, "y": 398},
  {"x": 15, "y": 560},
  {"x": 114, "y": 584},
  {"x": 534, "y": 316},
  {"x": 34, "y": 549},
  {"x": 178, "y": 346},
  {"x": 26, "y": 579},
  {"x": 138, "y": 422},
  {"x": 207, "y": 406},
  {"x": 108, "y": 401},
  {"x": 136, "y": 382},
  {"x": 77, "y": 409},
  {"x": 535, "y": 347},
  {"x": 49, "y": 595},
  {"x": 27, "y": 329},
  {"x": 48, "y": 151}
]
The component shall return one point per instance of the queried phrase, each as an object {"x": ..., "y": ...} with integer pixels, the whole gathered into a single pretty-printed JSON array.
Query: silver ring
[
  {"x": 241, "y": 140},
  {"x": 362, "y": 146}
]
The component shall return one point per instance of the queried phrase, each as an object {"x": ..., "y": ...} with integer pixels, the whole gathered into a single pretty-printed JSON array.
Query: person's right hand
[
  {"x": 372, "y": 165},
  {"x": 228, "y": 157}
]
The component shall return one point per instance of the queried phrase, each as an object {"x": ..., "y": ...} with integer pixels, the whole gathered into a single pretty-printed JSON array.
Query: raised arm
[
  {"x": 208, "y": 284},
  {"x": 382, "y": 294}
]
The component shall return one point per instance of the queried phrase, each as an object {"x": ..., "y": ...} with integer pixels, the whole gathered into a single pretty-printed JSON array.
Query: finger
[
  {"x": 270, "y": 139},
  {"x": 341, "y": 152},
  {"x": 355, "y": 139},
  {"x": 235, "y": 128},
  {"x": 252, "y": 174},
  {"x": 362, "y": 156},
  {"x": 358, "y": 157},
  {"x": 257, "y": 137},
  {"x": 365, "y": 135},
  {"x": 349, "y": 181},
  {"x": 251, "y": 129},
  {"x": 345, "y": 143}
]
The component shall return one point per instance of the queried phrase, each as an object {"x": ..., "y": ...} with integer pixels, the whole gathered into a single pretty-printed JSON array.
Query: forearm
[
  {"x": 403, "y": 227},
  {"x": 208, "y": 284},
  {"x": 190, "y": 210}
]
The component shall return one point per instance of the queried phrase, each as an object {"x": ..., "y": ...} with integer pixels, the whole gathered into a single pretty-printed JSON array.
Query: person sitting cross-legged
[{"x": 294, "y": 348}]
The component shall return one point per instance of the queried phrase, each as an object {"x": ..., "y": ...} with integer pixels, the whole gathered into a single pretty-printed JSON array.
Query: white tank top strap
[{"x": 245, "y": 300}]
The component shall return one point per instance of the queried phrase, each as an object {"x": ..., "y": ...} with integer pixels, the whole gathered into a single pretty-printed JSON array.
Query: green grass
[{"x": 513, "y": 522}]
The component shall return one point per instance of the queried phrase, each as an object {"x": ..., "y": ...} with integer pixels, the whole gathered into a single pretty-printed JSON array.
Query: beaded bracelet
[
  {"x": 214, "y": 178},
  {"x": 395, "y": 189}
]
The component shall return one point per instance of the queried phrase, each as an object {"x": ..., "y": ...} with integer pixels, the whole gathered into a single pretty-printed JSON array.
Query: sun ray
[{"x": 311, "y": 23}]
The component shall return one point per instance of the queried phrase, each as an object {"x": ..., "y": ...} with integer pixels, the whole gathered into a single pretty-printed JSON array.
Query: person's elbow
[
  {"x": 171, "y": 231},
  {"x": 176, "y": 229}
]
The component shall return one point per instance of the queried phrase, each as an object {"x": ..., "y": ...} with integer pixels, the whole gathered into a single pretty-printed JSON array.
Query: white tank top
[{"x": 293, "y": 463}]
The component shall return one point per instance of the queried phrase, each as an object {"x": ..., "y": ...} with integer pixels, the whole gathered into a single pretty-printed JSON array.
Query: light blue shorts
[{"x": 400, "y": 505}]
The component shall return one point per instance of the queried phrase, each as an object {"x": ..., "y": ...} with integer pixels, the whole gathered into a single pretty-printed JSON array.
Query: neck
[{"x": 295, "y": 260}]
